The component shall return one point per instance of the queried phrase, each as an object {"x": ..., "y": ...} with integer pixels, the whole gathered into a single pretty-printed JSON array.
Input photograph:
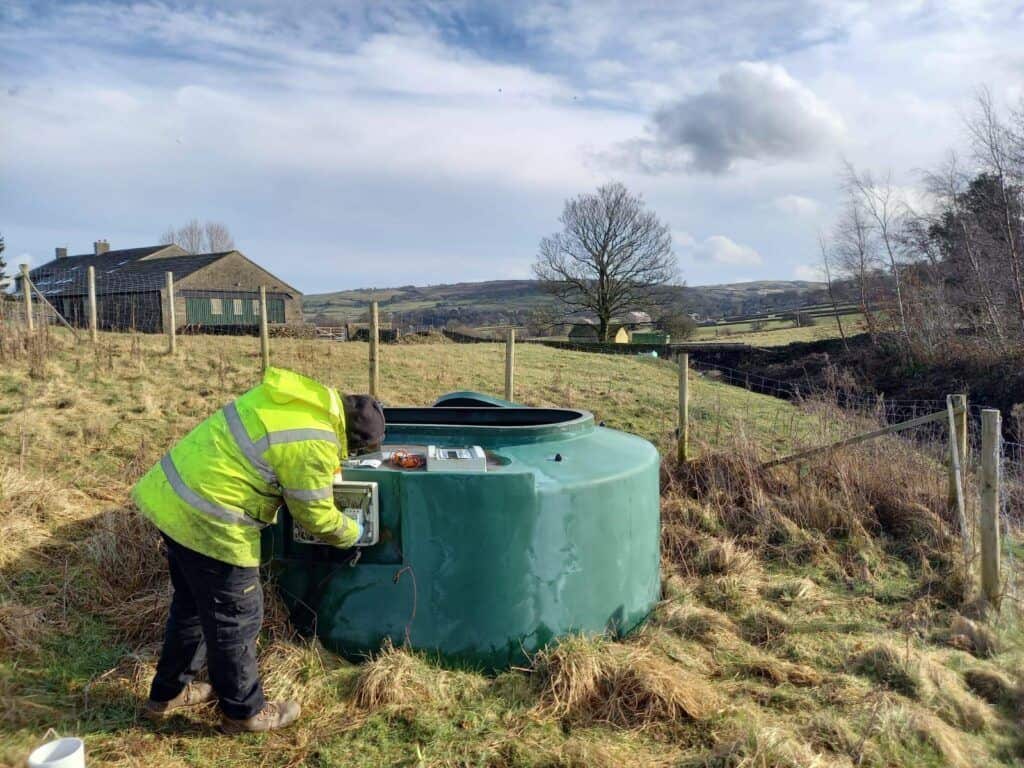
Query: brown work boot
[
  {"x": 274, "y": 715},
  {"x": 192, "y": 695}
]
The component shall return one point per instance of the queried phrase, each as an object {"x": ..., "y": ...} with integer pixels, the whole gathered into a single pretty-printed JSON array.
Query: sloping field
[
  {"x": 494, "y": 301},
  {"x": 775, "y": 333},
  {"x": 810, "y": 618}
]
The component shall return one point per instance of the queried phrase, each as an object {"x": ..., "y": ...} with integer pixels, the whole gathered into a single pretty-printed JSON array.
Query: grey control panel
[{"x": 359, "y": 501}]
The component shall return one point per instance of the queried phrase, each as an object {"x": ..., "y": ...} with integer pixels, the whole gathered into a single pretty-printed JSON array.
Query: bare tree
[
  {"x": 4, "y": 279},
  {"x": 218, "y": 237},
  {"x": 610, "y": 257},
  {"x": 200, "y": 237},
  {"x": 955, "y": 268},
  {"x": 856, "y": 257},
  {"x": 1016, "y": 135},
  {"x": 995, "y": 147},
  {"x": 826, "y": 263},
  {"x": 880, "y": 204},
  {"x": 542, "y": 320}
]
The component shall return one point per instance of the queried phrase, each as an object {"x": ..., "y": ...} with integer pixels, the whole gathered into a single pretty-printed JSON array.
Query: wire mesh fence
[
  {"x": 829, "y": 415},
  {"x": 125, "y": 293},
  {"x": 140, "y": 301}
]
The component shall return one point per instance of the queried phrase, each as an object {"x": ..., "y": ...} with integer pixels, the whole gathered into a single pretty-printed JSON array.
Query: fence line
[{"x": 817, "y": 425}]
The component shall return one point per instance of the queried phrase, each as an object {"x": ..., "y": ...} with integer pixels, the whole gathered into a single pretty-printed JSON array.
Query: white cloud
[
  {"x": 345, "y": 142},
  {"x": 402, "y": 104},
  {"x": 810, "y": 272},
  {"x": 795, "y": 205},
  {"x": 719, "y": 249}
]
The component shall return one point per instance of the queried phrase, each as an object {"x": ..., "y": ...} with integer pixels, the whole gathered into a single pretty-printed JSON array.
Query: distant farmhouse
[
  {"x": 636, "y": 328},
  {"x": 586, "y": 330},
  {"x": 215, "y": 291}
]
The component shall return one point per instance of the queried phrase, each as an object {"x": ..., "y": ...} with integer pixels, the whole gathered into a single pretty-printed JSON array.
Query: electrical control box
[
  {"x": 470, "y": 458},
  {"x": 359, "y": 501}
]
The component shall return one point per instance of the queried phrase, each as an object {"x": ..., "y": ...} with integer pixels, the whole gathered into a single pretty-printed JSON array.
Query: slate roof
[{"x": 117, "y": 271}]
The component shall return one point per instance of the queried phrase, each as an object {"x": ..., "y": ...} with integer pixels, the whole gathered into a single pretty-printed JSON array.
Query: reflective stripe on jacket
[{"x": 225, "y": 480}]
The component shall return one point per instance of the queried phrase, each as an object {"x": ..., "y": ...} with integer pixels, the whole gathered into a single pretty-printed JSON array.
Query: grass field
[
  {"x": 773, "y": 333},
  {"x": 810, "y": 618}
]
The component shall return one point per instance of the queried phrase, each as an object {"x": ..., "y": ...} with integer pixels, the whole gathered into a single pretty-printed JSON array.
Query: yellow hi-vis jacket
[{"x": 216, "y": 489}]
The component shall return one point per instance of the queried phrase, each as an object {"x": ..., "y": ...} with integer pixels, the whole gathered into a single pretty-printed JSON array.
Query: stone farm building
[
  {"x": 217, "y": 292},
  {"x": 586, "y": 331},
  {"x": 636, "y": 328}
]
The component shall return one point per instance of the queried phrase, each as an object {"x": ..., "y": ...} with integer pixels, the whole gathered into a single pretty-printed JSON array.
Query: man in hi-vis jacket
[{"x": 210, "y": 496}]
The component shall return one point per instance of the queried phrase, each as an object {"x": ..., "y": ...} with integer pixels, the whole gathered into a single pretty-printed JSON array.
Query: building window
[
  {"x": 236, "y": 307},
  {"x": 216, "y": 307},
  {"x": 256, "y": 307}
]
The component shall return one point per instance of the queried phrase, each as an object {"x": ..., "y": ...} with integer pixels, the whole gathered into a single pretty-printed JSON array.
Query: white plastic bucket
[{"x": 68, "y": 752}]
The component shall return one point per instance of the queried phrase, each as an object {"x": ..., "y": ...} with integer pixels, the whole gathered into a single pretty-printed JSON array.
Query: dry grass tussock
[
  {"x": 698, "y": 623},
  {"x": 398, "y": 677},
  {"x": 29, "y": 513},
  {"x": 920, "y": 678},
  {"x": 997, "y": 688},
  {"x": 318, "y": 680},
  {"x": 30, "y": 510},
  {"x": 125, "y": 555},
  {"x": 760, "y": 744},
  {"x": 736, "y": 657},
  {"x": 628, "y": 685},
  {"x": 841, "y": 512},
  {"x": 954, "y": 749},
  {"x": 21, "y": 627},
  {"x": 973, "y": 637}
]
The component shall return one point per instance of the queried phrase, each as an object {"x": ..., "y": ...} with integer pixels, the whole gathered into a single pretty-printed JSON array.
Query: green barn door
[
  {"x": 197, "y": 310},
  {"x": 275, "y": 310}
]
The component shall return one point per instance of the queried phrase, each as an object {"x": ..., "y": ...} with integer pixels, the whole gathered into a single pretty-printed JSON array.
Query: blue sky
[{"x": 378, "y": 144}]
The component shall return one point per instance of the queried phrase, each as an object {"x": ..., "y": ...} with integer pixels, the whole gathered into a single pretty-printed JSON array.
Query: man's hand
[{"x": 342, "y": 537}]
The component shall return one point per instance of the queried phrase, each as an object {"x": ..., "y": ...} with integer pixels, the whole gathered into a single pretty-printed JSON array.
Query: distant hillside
[{"x": 500, "y": 301}]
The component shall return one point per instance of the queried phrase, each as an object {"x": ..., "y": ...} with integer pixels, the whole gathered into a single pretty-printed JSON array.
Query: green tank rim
[{"x": 485, "y": 425}]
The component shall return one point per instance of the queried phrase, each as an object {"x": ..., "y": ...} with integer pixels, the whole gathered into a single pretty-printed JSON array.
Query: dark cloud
[{"x": 755, "y": 112}]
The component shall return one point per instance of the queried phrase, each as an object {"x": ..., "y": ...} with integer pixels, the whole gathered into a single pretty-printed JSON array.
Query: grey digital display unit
[{"x": 463, "y": 458}]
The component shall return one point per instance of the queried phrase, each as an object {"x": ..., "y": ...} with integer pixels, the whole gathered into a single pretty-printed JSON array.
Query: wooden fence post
[
  {"x": 264, "y": 329},
  {"x": 967, "y": 533},
  {"x": 169, "y": 317},
  {"x": 374, "y": 349},
  {"x": 683, "y": 445},
  {"x": 960, "y": 420},
  {"x": 991, "y": 454},
  {"x": 26, "y": 290},
  {"x": 93, "y": 325},
  {"x": 510, "y": 364}
]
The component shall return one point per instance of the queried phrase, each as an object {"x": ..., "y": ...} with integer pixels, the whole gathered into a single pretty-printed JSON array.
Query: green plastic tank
[{"x": 558, "y": 533}]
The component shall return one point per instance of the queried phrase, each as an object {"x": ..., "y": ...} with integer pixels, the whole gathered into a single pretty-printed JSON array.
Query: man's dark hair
[{"x": 364, "y": 423}]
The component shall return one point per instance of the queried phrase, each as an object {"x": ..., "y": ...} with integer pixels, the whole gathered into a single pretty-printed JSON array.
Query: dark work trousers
[{"x": 215, "y": 617}]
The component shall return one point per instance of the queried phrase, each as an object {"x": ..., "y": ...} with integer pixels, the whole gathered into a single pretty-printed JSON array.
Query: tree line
[{"x": 943, "y": 274}]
